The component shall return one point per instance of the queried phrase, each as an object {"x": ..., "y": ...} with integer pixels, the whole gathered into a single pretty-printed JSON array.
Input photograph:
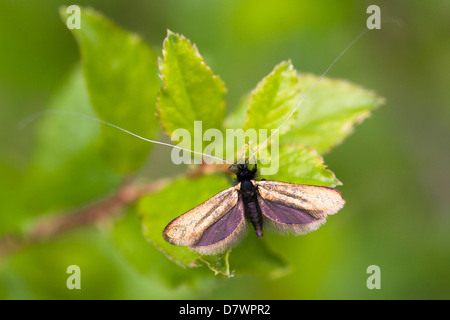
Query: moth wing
[
  {"x": 224, "y": 234},
  {"x": 296, "y": 208},
  {"x": 187, "y": 229}
]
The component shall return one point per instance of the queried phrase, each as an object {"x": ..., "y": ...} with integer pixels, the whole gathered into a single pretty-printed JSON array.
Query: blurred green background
[{"x": 394, "y": 167}]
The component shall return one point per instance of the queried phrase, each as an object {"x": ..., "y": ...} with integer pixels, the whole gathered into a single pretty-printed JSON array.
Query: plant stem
[{"x": 49, "y": 227}]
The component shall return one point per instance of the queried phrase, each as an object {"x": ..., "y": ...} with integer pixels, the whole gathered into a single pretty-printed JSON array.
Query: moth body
[{"x": 252, "y": 210}]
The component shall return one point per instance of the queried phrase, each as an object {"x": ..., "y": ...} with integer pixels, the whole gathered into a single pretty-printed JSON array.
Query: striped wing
[
  {"x": 212, "y": 227},
  {"x": 296, "y": 208}
]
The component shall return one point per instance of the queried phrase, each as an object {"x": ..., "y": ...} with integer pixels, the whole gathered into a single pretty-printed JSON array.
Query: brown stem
[{"x": 48, "y": 228}]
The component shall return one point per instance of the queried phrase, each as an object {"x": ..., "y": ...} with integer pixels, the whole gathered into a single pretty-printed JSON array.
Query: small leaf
[
  {"x": 302, "y": 165},
  {"x": 219, "y": 265},
  {"x": 122, "y": 78},
  {"x": 328, "y": 114},
  {"x": 192, "y": 92}
]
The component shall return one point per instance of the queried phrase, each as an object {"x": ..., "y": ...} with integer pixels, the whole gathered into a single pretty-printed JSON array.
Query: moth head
[{"x": 242, "y": 171}]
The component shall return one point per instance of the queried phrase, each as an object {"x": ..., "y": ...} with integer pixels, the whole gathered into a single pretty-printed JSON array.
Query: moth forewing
[
  {"x": 285, "y": 220},
  {"x": 295, "y": 208},
  {"x": 187, "y": 229},
  {"x": 223, "y": 234},
  {"x": 318, "y": 200}
]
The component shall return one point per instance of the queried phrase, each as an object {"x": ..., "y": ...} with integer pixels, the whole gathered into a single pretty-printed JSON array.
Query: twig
[{"x": 48, "y": 228}]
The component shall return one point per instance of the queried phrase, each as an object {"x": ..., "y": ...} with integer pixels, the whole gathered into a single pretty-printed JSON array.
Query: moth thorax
[{"x": 247, "y": 189}]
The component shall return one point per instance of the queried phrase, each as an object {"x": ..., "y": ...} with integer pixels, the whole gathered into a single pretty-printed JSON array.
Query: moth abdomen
[
  {"x": 253, "y": 214},
  {"x": 251, "y": 207}
]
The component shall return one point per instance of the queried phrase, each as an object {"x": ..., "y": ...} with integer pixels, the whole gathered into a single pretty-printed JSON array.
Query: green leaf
[
  {"x": 325, "y": 118},
  {"x": 273, "y": 99},
  {"x": 268, "y": 105},
  {"x": 302, "y": 165},
  {"x": 237, "y": 117},
  {"x": 329, "y": 113},
  {"x": 192, "y": 92},
  {"x": 65, "y": 169},
  {"x": 122, "y": 80},
  {"x": 60, "y": 132},
  {"x": 126, "y": 233}
]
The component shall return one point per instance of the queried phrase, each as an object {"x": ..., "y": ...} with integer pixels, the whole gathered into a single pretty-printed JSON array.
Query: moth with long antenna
[{"x": 220, "y": 222}]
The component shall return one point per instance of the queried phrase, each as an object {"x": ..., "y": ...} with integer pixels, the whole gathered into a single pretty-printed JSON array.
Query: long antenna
[
  {"x": 304, "y": 97},
  {"x": 33, "y": 117}
]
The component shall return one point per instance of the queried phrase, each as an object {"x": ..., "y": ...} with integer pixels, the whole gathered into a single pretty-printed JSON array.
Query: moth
[{"x": 221, "y": 222}]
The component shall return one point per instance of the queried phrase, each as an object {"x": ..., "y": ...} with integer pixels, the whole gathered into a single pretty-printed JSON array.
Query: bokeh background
[{"x": 394, "y": 167}]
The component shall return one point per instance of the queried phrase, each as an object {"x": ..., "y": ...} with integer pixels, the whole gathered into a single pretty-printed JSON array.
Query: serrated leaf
[
  {"x": 122, "y": 78},
  {"x": 303, "y": 165},
  {"x": 268, "y": 105},
  {"x": 192, "y": 92},
  {"x": 273, "y": 99},
  {"x": 329, "y": 113}
]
